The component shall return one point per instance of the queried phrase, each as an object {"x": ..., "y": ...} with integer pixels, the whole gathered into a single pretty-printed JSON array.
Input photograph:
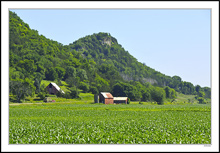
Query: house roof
[
  {"x": 57, "y": 87},
  {"x": 107, "y": 94},
  {"x": 120, "y": 98}
]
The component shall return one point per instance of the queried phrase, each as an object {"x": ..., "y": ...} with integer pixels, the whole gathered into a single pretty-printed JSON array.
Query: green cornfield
[{"x": 53, "y": 123}]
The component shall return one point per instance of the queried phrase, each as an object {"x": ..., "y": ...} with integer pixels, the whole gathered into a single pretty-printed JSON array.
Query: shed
[
  {"x": 120, "y": 100},
  {"x": 106, "y": 98},
  {"x": 53, "y": 88}
]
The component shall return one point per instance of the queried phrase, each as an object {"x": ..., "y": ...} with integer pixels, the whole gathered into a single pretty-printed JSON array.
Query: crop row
[{"x": 56, "y": 125}]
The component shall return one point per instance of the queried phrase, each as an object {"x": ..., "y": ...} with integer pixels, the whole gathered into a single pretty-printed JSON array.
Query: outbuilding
[
  {"x": 53, "y": 88},
  {"x": 120, "y": 100},
  {"x": 106, "y": 98}
]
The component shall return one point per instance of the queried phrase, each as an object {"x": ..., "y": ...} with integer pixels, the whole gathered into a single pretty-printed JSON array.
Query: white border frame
[{"x": 213, "y": 5}]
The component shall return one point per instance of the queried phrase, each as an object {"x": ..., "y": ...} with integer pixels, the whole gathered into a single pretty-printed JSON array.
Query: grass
[
  {"x": 70, "y": 123},
  {"x": 83, "y": 98}
]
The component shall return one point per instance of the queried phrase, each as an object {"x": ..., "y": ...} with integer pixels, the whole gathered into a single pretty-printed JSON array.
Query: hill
[{"x": 93, "y": 63}]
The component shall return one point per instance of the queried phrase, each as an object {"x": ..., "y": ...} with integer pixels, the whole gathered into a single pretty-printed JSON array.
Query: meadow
[{"x": 86, "y": 123}]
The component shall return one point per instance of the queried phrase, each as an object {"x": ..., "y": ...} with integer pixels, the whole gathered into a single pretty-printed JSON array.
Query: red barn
[
  {"x": 53, "y": 88},
  {"x": 106, "y": 98}
]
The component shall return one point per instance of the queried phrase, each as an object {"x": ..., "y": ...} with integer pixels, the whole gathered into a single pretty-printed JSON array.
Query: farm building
[
  {"x": 120, "y": 100},
  {"x": 53, "y": 88},
  {"x": 106, "y": 98}
]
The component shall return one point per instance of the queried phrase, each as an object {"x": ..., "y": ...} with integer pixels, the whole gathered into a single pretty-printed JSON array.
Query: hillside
[{"x": 93, "y": 63}]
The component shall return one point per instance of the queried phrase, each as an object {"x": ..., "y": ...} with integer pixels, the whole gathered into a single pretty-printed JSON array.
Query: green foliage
[
  {"x": 51, "y": 74},
  {"x": 84, "y": 86},
  {"x": 207, "y": 92},
  {"x": 70, "y": 72},
  {"x": 170, "y": 93},
  {"x": 21, "y": 88},
  {"x": 42, "y": 95},
  {"x": 60, "y": 94},
  {"x": 201, "y": 94},
  {"x": 93, "y": 90},
  {"x": 82, "y": 74},
  {"x": 121, "y": 89},
  {"x": 37, "y": 85},
  {"x": 146, "y": 96},
  {"x": 158, "y": 95},
  {"x": 60, "y": 71},
  {"x": 74, "y": 93},
  {"x": 201, "y": 100},
  {"x": 97, "y": 60}
]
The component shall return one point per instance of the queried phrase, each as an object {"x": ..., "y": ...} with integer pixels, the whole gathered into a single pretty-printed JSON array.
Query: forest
[{"x": 94, "y": 63}]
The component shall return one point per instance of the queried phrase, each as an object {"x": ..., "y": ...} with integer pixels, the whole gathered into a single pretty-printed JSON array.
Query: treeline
[
  {"x": 94, "y": 63},
  {"x": 143, "y": 92}
]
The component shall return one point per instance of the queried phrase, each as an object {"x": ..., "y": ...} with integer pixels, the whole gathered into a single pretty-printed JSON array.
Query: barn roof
[
  {"x": 120, "y": 98},
  {"x": 107, "y": 94},
  {"x": 57, "y": 87}
]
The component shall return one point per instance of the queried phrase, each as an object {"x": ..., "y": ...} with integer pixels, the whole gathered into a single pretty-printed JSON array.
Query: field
[{"x": 84, "y": 123}]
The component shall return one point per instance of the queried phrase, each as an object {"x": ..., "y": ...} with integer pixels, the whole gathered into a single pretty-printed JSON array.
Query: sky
[{"x": 171, "y": 41}]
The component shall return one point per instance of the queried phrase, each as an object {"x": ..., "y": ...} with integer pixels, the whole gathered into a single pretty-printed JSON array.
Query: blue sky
[{"x": 172, "y": 41}]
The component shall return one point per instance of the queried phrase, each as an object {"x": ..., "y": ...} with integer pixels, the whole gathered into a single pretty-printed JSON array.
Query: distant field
[{"x": 69, "y": 123}]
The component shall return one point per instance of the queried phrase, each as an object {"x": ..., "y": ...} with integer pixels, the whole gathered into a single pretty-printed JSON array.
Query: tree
[
  {"x": 101, "y": 84},
  {"x": 118, "y": 90},
  {"x": 37, "y": 85},
  {"x": 21, "y": 88},
  {"x": 60, "y": 72},
  {"x": 146, "y": 96},
  {"x": 168, "y": 92},
  {"x": 84, "y": 86},
  {"x": 51, "y": 74},
  {"x": 201, "y": 100},
  {"x": 158, "y": 94},
  {"x": 73, "y": 81},
  {"x": 201, "y": 94},
  {"x": 173, "y": 94},
  {"x": 176, "y": 82},
  {"x": 70, "y": 72},
  {"x": 74, "y": 93},
  {"x": 94, "y": 90},
  {"x": 198, "y": 88},
  {"x": 207, "y": 91},
  {"x": 122, "y": 89},
  {"x": 82, "y": 74}
]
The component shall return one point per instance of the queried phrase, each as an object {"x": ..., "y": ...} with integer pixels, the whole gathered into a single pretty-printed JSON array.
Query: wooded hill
[{"x": 93, "y": 64}]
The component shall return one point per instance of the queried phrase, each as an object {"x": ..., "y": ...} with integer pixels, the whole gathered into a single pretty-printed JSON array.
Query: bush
[
  {"x": 41, "y": 95},
  {"x": 128, "y": 102},
  {"x": 201, "y": 100},
  {"x": 67, "y": 95},
  {"x": 74, "y": 93},
  {"x": 60, "y": 94}
]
